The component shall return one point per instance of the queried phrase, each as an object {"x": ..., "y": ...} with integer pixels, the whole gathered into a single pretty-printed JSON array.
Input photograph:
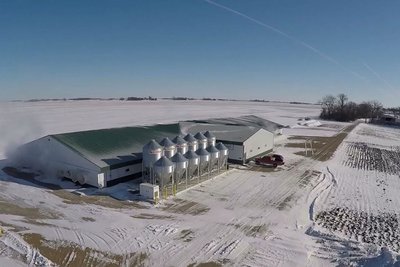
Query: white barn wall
[
  {"x": 52, "y": 156},
  {"x": 124, "y": 171},
  {"x": 260, "y": 142}
]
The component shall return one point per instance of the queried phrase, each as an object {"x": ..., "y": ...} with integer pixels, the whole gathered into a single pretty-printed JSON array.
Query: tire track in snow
[
  {"x": 95, "y": 244},
  {"x": 101, "y": 239},
  {"x": 321, "y": 191},
  {"x": 113, "y": 239},
  {"x": 59, "y": 233},
  {"x": 332, "y": 176},
  {"x": 311, "y": 208},
  {"x": 79, "y": 238}
]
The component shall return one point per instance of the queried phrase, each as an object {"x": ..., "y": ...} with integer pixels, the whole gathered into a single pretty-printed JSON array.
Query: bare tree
[
  {"x": 377, "y": 109},
  {"x": 341, "y": 109},
  {"x": 342, "y": 100},
  {"x": 328, "y": 105},
  {"x": 365, "y": 110},
  {"x": 351, "y": 111}
]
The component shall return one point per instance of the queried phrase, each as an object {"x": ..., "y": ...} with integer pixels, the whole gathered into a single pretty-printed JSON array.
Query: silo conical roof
[
  {"x": 212, "y": 149},
  {"x": 190, "y": 138},
  {"x": 202, "y": 152},
  {"x": 221, "y": 146},
  {"x": 178, "y": 157},
  {"x": 166, "y": 142},
  {"x": 163, "y": 162},
  {"x": 179, "y": 140},
  {"x": 209, "y": 135},
  {"x": 191, "y": 155},
  {"x": 200, "y": 136},
  {"x": 152, "y": 145}
]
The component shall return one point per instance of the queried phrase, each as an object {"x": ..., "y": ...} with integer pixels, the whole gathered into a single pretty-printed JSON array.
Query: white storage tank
[
  {"x": 223, "y": 155},
  {"x": 163, "y": 170},
  {"x": 181, "y": 145},
  {"x": 202, "y": 140},
  {"x": 152, "y": 152},
  {"x": 211, "y": 139},
  {"x": 204, "y": 159},
  {"x": 181, "y": 166},
  {"x": 194, "y": 162},
  {"x": 169, "y": 147},
  {"x": 192, "y": 142},
  {"x": 214, "y": 155}
]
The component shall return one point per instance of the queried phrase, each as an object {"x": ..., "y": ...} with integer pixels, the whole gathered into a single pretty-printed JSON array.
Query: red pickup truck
[{"x": 273, "y": 160}]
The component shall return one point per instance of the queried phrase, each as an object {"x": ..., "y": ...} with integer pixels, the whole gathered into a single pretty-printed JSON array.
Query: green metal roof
[{"x": 115, "y": 147}]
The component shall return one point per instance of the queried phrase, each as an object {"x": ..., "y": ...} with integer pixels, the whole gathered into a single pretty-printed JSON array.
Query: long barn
[
  {"x": 104, "y": 157},
  {"x": 98, "y": 157}
]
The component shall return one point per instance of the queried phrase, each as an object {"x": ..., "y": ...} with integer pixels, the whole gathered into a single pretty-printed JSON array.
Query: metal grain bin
[
  {"x": 164, "y": 170},
  {"x": 192, "y": 142},
  {"x": 204, "y": 159},
  {"x": 181, "y": 145},
  {"x": 202, "y": 140},
  {"x": 152, "y": 152},
  {"x": 181, "y": 166},
  {"x": 214, "y": 155},
  {"x": 169, "y": 147},
  {"x": 223, "y": 155},
  {"x": 211, "y": 139},
  {"x": 194, "y": 162}
]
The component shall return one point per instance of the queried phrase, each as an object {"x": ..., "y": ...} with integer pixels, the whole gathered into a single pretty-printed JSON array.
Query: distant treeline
[
  {"x": 134, "y": 98},
  {"x": 131, "y": 98},
  {"x": 339, "y": 108},
  {"x": 192, "y": 98},
  {"x": 272, "y": 101}
]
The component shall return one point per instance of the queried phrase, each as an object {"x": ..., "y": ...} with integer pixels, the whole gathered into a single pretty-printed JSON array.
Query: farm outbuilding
[
  {"x": 389, "y": 119},
  {"x": 244, "y": 142}
]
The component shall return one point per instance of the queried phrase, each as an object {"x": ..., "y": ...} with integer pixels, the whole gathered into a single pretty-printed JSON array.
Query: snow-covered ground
[
  {"x": 359, "y": 202},
  {"x": 281, "y": 217}
]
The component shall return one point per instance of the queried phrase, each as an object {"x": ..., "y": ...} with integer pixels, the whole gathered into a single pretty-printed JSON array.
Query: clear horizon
[{"x": 273, "y": 50}]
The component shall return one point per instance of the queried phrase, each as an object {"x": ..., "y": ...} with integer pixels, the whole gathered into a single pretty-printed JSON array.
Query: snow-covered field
[
  {"x": 282, "y": 217},
  {"x": 360, "y": 203}
]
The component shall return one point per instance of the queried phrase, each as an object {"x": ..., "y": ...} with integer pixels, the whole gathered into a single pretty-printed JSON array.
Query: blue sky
[{"x": 55, "y": 49}]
